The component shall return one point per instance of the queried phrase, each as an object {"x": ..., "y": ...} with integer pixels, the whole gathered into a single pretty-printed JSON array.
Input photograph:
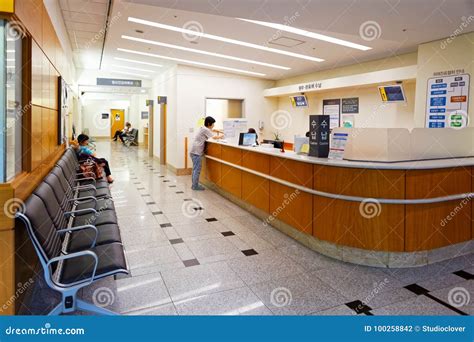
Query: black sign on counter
[
  {"x": 319, "y": 136},
  {"x": 350, "y": 105}
]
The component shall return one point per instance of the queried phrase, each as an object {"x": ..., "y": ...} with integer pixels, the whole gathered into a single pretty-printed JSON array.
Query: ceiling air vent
[{"x": 286, "y": 42}]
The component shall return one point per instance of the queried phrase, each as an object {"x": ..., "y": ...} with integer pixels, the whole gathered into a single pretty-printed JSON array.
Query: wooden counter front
[{"x": 302, "y": 195}]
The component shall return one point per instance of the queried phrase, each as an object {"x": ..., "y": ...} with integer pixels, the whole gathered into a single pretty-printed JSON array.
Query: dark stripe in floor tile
[
  {"x": 180, "y": 192},
  {"x": 175, "y": 241},
  {"x": 191, "y": 262},
  {"x": 249, "y": 252},
  {"x": 136, "y": 183},
  {"x": 198, "y": 208},
  {"x": 165, "y": 225},
  {"x": 172, "y": 186},
  {"x": 464, "y": 274},
  {"x": 140, "y": 188},
  {"x": 418, "y": 290},
  {"x": 211, "y": 219},
  {"x": 145, "y": 195},
  {"x": 149, "y": 203},
  {"x": 358, "y": 307},
  {"x": 165, "y": 181},
  {"x": 161, "y": 176},
  {"x": 157, "y": 213},
  {"x": 188, "y": 199},
  {"x": 229, "y": 233}
]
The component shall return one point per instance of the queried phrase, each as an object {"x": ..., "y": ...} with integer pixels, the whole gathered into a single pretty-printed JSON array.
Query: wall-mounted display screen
[
  {"x": 299, "y": 101},
  {"x": 392, "y": 93}
]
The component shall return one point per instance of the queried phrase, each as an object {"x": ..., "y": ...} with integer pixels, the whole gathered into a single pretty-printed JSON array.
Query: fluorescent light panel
[
  {"x": 138, "y": 62},
  {"x": 131, "y": 68},
  {"x": 222, "y": 39},
  {"x": 191, "y": 62},
  {"x": 309, "y": 34},
  {"x": 129, "y": 73},
  {"x": 146, "y": 41}
]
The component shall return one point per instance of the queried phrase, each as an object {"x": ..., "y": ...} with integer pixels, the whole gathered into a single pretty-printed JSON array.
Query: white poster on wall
[
  {"x": 333, "y": 109},
  {"x": 447, "y": 101}
]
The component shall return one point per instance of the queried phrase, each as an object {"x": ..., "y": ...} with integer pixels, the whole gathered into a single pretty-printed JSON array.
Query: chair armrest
[
  {"x": 72, "y": 256},
  {"x": 80, "y": 179},
  {"x": 85, "y": 187},
  {"x": 80, "y": 211},
  {"x": 83, "y": 199},
  {"x": 86, "y": 226}
]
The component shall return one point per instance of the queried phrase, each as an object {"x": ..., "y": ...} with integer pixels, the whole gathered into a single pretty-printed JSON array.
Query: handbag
[{"x": 90, "y": 168}]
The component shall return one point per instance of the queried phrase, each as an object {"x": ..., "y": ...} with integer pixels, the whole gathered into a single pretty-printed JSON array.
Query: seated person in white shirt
[{"x": 197, "y": 150}]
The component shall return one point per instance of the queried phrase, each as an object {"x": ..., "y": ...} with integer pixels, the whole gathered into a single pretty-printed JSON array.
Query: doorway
[{"x": 117, "y": 121}]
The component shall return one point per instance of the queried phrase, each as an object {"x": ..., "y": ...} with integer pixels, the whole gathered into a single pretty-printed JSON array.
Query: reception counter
[{"x": 379, "y": 214}]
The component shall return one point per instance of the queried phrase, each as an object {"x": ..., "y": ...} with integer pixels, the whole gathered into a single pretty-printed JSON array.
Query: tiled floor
[{"x": 196, "y": 253}]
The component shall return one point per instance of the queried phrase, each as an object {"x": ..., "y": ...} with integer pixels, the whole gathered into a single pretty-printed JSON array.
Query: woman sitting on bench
[{"x": 84, "y": 152}]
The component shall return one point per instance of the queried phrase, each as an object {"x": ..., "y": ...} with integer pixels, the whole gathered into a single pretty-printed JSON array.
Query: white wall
[
  {"x": 165, "y": 84},
  {"x": 138, "y": 105},
  {"x": 194, "y": 85},
  {"x": 92, "y": 111}
]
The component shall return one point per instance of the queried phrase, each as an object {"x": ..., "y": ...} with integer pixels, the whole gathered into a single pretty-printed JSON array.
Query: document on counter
[{"x": 338, "y": 146}]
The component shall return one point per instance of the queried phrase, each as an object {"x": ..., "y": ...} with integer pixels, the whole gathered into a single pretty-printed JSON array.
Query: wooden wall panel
[
  {"x": 231, "y": 154},
  {"x": 30, "y": 12},
  {"x": 45, "y": 82},
  {"x": 360, "y": 182},
  {"x": 436, "y": 225},
  {"x": 36, "y": 136},
  {"x": 256, "y": 191},
  {"x": 45, "y": 123},
  {"x": 36, "y": 75},
  {"x": 292, "y": 206},
  {"x": 213, "y": 150},
  {"x": 53, "y": 87},
  {"x": 213, "y": 171},
  {"x": 368, "y": 226},
  {"x": 292, "y": 171},
  {"x": 231, "y": 180},
  {"x": 256, "y": 161}
]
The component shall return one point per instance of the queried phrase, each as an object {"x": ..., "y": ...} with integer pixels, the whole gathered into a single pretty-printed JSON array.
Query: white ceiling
[{"x": 404, "y": 24}]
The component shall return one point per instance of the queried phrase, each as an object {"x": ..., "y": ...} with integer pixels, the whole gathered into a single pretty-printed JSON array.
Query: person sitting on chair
[
  {"x": 252, "y": 130},
  {"x": 84, "y": 152},
  {"x": 121, "y": 134}
]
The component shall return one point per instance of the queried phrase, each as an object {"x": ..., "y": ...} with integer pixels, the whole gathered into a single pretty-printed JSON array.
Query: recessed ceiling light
[
  {"x": 131, "y": 68},
  {"x": 222, "y": 39},
  {"x": 146, "y": 41},
  {"x": 129, "y": 73},
  {"x": 11, "y": 51},
  {"x": 309, "y": 34},
  {"x": 138, "y": 62},
  {"x": 191, "y": 62}
]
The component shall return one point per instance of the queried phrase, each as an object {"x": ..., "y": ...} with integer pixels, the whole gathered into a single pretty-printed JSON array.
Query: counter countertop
[{"x": 407, "y": 165}]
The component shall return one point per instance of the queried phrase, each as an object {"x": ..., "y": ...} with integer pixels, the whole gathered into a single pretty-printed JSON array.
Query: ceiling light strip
[
  {"x": 308, "y": 34},
  {"x": 191, "y": 62},
  {"x": 129, "y": 73},
  {"x": 222, "y": 39},
  {"x": 146, "y": 41},
  {"x": 131, "y": 68},
  {"x": 138, "y": 62}
]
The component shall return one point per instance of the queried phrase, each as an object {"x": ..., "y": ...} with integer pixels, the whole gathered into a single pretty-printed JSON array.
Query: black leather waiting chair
[{"x": 65, "y": 270}]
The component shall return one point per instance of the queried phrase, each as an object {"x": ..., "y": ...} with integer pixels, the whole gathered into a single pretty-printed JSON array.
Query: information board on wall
[
  {"x": 332, "y": 108},
  {"x": 350, "y": 105},
  {"x": 447, "y": 101},
  {"x": 232, "y": 129}
]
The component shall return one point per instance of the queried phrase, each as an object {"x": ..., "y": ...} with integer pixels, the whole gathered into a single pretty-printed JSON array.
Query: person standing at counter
[{"x": 197, "y": 150}]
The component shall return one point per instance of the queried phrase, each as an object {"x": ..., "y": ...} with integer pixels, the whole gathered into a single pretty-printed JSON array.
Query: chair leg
[
  {"x": 58, "y": 309},
  {"x": 82, "y": 305}
]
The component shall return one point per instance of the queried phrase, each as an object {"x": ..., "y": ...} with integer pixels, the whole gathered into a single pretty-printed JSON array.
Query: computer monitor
[
  {"x": 247, "y": 139},
  {"x": 392, "y": 93},
  {"x": 276, "y": 143}
]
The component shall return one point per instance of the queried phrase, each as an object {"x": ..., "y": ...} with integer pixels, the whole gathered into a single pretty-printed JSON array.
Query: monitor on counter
[
  {"x": 247, "y": 139},
  {"x": 299, "y": 101},
  {"x": 392, "y": 93}
]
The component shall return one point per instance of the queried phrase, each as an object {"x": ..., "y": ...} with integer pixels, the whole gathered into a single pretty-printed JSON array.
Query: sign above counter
[
  {"x": 375, "y": 77},
  {"x": 118, "y": 82}
]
